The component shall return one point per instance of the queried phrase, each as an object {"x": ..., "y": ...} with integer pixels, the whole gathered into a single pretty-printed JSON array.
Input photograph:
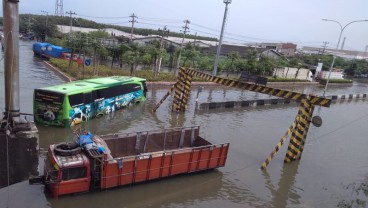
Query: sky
[{"x": 248, "y": 21}]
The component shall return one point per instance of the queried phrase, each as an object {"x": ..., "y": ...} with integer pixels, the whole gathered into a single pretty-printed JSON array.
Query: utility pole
[
  {"x": 47, "y": 18},
  {"x": 194, "y": 45},
  {"x": 11, "y": 59},
  {"x": 227, "y": 2},
  {"x": 365, "y": 52},
  {"x": 71, "y": 19},
  {"x": 18, "y": 137},
  {"x": 163, "y": 33},
  {"x": 133, "y": 16},
  {"x": 181, "y": 45},
  {"x": 325, "y": 43}
]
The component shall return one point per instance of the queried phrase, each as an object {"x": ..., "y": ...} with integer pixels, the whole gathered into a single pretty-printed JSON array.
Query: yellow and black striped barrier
[
  {"x": 278, "y": 146},
  {"x": 182, "y": 91},
  {"x": 299, "y": 128},
  {"x": 300, "y": 132},
  {"x": 315, "y": 100},
  {"x": 164, "y": 98}
]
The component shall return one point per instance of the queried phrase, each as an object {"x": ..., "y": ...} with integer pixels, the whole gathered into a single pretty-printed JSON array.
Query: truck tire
[{"x": 67, "y": 149}]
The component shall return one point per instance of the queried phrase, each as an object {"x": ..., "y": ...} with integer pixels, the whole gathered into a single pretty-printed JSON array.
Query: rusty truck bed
[{"x": 143, "y": 156}]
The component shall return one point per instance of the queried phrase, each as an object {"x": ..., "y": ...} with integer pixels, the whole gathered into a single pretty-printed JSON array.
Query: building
[
  {"x": 287, "y": 49},
  {"x": 348, "y": 54}
]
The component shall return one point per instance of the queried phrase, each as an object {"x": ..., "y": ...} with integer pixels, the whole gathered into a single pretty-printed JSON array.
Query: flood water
[{"x": 331, "y": 173}]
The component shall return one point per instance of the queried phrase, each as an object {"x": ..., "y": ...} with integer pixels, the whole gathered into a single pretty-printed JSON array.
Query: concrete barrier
[{"x": 271, "y": 101}]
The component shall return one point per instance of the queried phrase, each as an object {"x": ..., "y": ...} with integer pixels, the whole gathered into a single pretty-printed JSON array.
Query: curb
[
  {"x": 59, "y": 73},
  {"x": 275, "y": 101}
]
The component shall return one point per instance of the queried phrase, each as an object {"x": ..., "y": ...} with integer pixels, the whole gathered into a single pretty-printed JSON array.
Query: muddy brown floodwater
[{"x": 332, "y": 172}]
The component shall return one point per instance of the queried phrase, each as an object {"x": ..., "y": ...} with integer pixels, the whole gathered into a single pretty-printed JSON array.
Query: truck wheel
[{"x": 67, "y": 149}]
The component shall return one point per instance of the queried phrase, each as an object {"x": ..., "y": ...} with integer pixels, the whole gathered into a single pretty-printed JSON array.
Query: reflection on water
[{"x": 185, "y": 191}]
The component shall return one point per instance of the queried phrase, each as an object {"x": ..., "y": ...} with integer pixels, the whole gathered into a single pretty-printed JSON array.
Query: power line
[
  {"x": 150, "y": 19},
  {"x": 100, "y": 17}
]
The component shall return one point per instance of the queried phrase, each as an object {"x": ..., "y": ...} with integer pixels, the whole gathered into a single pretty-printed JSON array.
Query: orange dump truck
[{"x": 102, "y": 162}]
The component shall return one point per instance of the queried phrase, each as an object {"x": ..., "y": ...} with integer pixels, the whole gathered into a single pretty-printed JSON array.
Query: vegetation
[
  {"x": 273, "y": 79},
  {"x": 324, "y": 81},
  {"x": 78, "y": 72},
  {"x": 129, "y": 57}
]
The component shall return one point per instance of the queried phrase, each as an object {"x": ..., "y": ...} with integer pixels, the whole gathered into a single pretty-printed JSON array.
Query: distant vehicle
[
  {"x": 47, "y": 50},
  {"x": 108, "y": 161},
  {"x": 72, "y": 103}
]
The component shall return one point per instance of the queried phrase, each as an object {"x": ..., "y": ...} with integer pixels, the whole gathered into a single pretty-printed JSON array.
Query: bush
[
  {"x": 324, "y": 81},
  {"x": 77, "y": 72},
  {"x": 273, "y": 79}
]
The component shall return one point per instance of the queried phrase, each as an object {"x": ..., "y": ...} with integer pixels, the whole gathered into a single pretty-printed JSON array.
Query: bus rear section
[{"x": 48, "y": 108}]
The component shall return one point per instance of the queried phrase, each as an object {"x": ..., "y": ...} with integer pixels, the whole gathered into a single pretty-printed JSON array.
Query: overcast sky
[{"x": 297, "y": 21}]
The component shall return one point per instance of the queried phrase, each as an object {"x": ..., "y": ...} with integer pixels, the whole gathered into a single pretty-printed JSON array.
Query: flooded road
[{"x": 333, "y": 166}]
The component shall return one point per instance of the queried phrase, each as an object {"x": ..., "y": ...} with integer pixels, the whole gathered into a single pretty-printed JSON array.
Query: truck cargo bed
[{"x": 142, "y": 156}]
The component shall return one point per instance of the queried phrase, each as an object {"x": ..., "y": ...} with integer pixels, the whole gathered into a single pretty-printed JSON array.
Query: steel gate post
[
  {"x": 182, "y": 91},
  {"x": 299, "y": 133}
]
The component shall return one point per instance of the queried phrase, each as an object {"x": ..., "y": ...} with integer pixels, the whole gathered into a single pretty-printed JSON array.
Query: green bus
[{"x": 71, "y": 103}]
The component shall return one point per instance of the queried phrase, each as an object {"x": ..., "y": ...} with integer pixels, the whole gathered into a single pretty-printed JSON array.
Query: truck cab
[{"x": 65, "y": 174}]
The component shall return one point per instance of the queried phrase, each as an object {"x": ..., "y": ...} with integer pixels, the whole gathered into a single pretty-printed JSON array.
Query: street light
[
  {"x": 342, "y": 28},
  {"x": 47, "y": 18},
  {"x": 221, "y": 36}
]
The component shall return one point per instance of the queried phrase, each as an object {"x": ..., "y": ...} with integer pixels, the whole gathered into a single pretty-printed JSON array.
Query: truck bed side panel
[{"x": 141, "y": 168}]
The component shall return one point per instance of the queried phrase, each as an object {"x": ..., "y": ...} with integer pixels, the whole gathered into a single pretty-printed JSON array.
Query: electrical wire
[
  {"x": 99, "y": 17},
  {"x": 343, "y": 126},
  {"x": 150, "y": 19}
]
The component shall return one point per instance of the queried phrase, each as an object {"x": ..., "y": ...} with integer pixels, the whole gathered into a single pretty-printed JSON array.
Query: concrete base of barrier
[
  {"x": 348, "y": 96},
  {"x": 274, "y": 101}
]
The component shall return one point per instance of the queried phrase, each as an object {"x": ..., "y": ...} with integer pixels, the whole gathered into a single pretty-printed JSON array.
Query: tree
[
  {"x": 205, "y": 63},
  {"x": 233, "y": 56},
  {"x": 171, "y": 50},
  {"x": 133, "y": 57},
  {"x": 252, "y": 64},
  {"x": 266, "y": 64},
  {"x": 190, "y": 54}
]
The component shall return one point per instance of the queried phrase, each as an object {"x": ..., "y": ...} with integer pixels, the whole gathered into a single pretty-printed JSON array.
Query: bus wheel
[{"x": 67, "y": 149}]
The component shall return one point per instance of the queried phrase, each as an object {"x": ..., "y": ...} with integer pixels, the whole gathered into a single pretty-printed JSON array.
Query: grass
[
  {"x": 279, "y": 79},
  {"x": 324, "y": 81},
  {"x": 78, "y": 73}
]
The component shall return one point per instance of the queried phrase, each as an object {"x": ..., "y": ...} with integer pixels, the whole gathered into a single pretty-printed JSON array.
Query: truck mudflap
[{"x": 36, "y": 180}]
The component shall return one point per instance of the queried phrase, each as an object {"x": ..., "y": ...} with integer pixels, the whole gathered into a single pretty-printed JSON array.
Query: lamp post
[
  {"x": 47, "y": 18},
  {"x": 342, "y": 28},
  {"x": 227, "y": 2}
]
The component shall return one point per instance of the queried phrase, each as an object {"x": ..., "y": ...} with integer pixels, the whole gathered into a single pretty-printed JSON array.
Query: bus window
[
  {"x": 118, "y": 90},
  {"x": 48, "y": 97},
  {"x": 88, "y": 98},
  {"x": 75, "y": 100}
]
